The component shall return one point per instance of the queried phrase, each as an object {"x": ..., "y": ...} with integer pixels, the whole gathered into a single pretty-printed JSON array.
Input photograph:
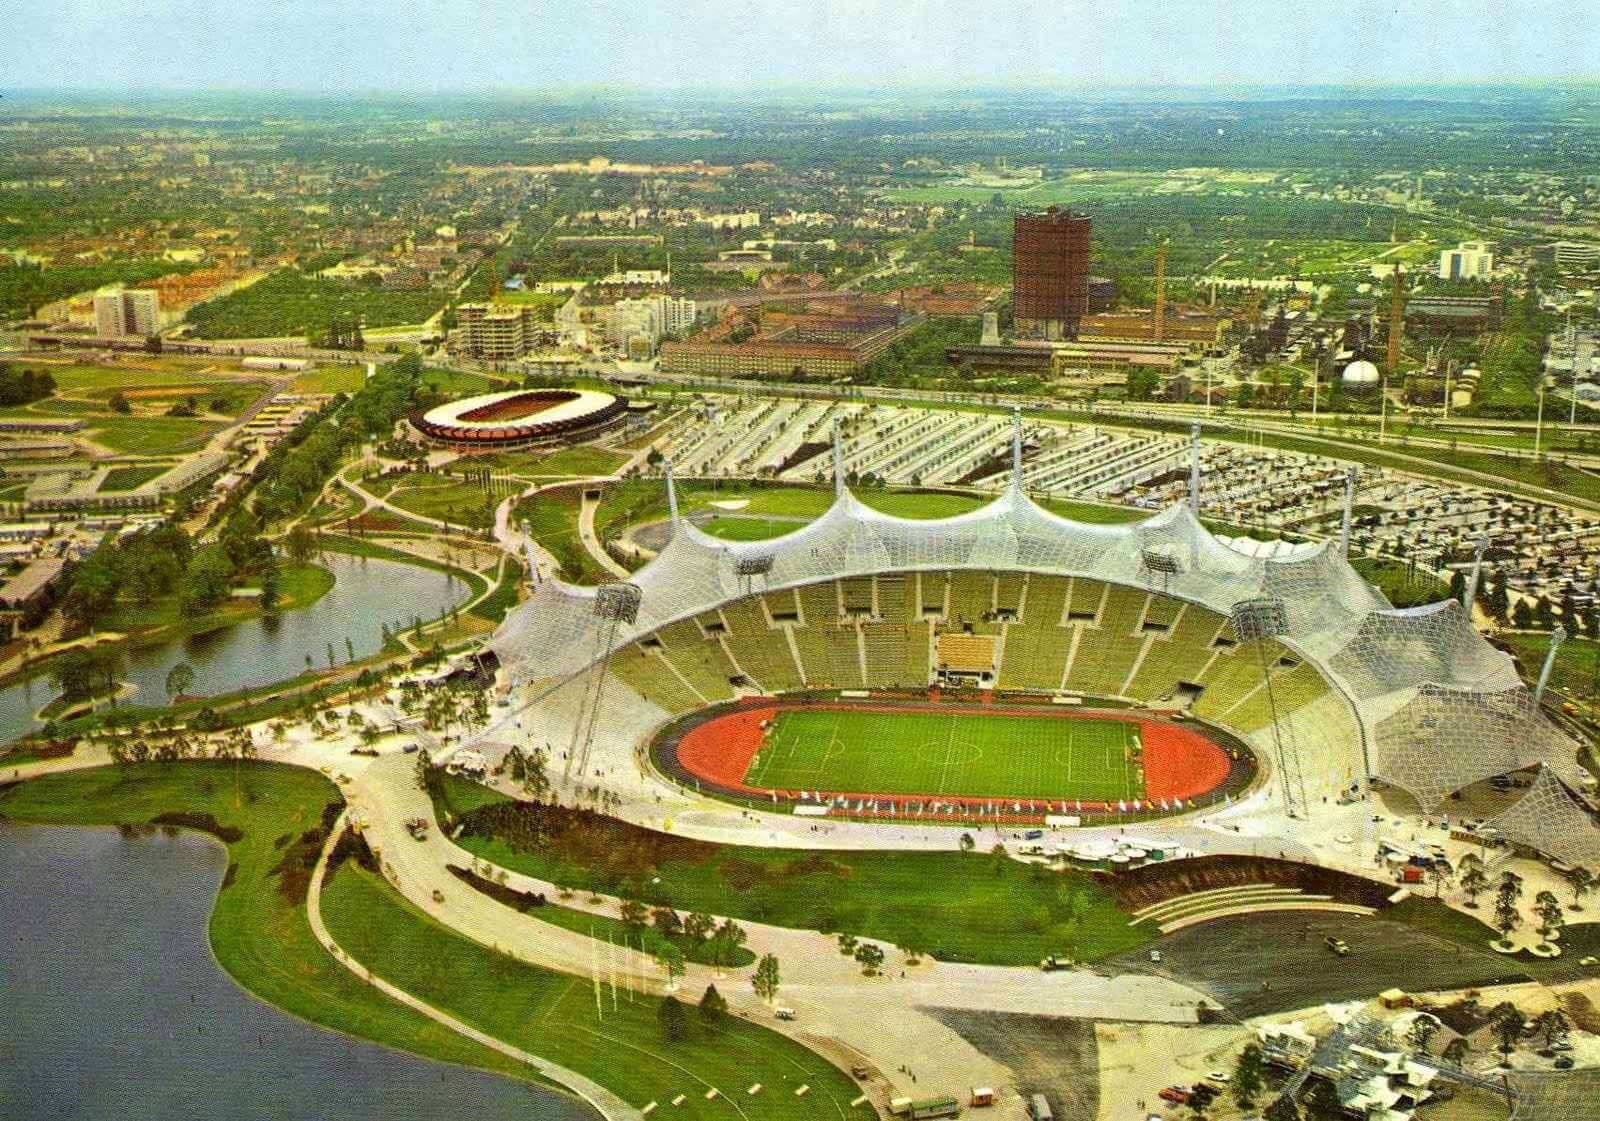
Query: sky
[{"x": 534, "y": 45}]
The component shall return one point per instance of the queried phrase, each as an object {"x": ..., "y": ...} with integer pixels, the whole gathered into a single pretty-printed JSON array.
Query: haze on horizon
[{"x": 506, "y": 45}]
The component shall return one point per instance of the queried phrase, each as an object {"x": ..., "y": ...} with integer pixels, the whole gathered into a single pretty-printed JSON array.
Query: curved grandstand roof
[
  {"x": 1440, "y": 705},
  {"x": 517, "y": 414}
]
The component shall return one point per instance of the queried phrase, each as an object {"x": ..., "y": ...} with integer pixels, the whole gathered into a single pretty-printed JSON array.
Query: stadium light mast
[
  {"x": 838, "y": 462},
  {"x": 1470, "y": 595},
  {"x": 615, "y": 605},
  {"x": 1349, "y": 505},
  {"x": 672, "y": 500},
  {"x": 1016, "y": 449},
  {"x": 1259, "y": 621},
  {"x": 1557, "y": 637},
  {"x": 1194, "y": 466}
]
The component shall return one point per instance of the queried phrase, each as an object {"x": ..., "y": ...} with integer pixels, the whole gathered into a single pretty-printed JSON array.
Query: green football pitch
[{"x": 977, "y": 755}]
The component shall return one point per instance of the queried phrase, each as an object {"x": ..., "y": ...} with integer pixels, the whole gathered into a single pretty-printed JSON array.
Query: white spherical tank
[{"x": 1360, "y": 372}]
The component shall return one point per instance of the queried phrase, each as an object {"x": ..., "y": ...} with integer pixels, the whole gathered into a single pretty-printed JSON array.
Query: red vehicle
[{"x": 1175, "y": 1094}]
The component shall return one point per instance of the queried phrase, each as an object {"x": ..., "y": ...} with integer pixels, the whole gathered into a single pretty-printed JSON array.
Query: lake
[
  {"x": 112, "y": 1007},
  {"x": 367, "y": 594}
]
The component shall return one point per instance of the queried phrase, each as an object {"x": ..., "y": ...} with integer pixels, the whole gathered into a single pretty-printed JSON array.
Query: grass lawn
[
  {"x": 956, "y": 906},
  {"x": 150, "y": 435},
  {"x": 299, "y": 585},
  {"x": 258, "y": 927},
  {"x": 131, "y": 478},
  {"x": 969, "y": 754},
  {"x": 555, "y": 1016},
  {"x": 447, "y": 499},
  {"x": 493, "y": 607},
  {"x": 648, "y": 938},
  {"x": 1399, "y": 584},
  {"x": 552, "y": 518},
  {"x": 330, "y": 379},
  {"x": 1577, "y": 668},
  {"x": 580, "y": 459},
  {"x": 461, "y": 383}
]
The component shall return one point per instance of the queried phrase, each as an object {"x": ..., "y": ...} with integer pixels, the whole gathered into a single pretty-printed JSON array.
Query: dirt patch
[{"x": 1051, "y": 1055}]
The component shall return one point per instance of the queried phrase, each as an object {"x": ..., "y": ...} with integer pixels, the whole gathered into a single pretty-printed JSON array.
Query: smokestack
[
  {"x": 1397, "y": 311},
  {"x": 1160, "y": 325}
]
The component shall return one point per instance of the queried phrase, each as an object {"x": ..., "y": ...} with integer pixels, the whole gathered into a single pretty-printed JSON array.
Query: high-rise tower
[{"x": 1050, "y": 273}]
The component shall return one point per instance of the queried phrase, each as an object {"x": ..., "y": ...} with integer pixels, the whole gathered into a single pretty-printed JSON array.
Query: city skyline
[{"x": 502, "y": 45}]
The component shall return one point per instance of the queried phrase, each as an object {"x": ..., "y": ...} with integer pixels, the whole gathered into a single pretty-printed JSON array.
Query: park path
[{"x": 612, "y": 1107}]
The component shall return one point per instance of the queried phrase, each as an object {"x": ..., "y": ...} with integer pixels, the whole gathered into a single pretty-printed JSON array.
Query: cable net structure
[{"x": 1418, "y": 698}]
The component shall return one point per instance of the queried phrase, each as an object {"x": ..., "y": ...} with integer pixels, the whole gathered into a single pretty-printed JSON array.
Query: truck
[
  {"x": 1337, "y": 945},
  {"x": 924, "y": 1108},
  {"x": 1055, "y": 962}
]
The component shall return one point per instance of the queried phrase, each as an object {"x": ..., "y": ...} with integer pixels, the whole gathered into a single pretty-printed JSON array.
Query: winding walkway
[{"x": 608, "y": 1104}]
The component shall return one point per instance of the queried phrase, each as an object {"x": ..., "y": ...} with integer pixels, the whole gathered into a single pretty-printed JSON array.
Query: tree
[
  {"x": 1422, "y": 1031},
  {"x": 634, "y": 914},
  {"x": 1248, "y": 1075},
  {"x": 1201, "y": 1095},
  {"x": 1582, "y": 882},
  {"x": 180, "y": 679},
  {"x": 1282, "y": 1109},
  {"x": 1553, "y": 1025},
  {"x": 419, "y": 773},
  {"x": 1548, "y": 909},
  {"x": 726, "y": 941},
  {"x": 766, "y": 978},
  {"x": 300, "y": 544},
  {"x": 674, "y": 1020},
  {"x": 1455, "y": 1052},
  {"x": 713, "y": 1008},
  {"x": 666, "y": 921},
  {"x": 1474, "y": 881},
  {"x": 870, "y": 956},
  {"x": 967, "y": 843},
  {"x": 670, "y": 959},
  {"x": 1323, "y": 1101},
  {"x": 1506, "y": 1019},
  {"x": 698, "y": 926},
  {"x": 119, "y": 403},
  {"x": 1506, "y": 916}
]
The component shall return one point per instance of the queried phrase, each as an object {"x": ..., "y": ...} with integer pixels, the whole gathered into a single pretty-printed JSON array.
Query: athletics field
[{"x": 971, "y": 754}]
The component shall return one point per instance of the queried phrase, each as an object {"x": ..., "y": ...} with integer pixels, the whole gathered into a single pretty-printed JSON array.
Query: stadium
[
  {"x": 983, "y": 667},
  {"x": 519, "y": 418}
]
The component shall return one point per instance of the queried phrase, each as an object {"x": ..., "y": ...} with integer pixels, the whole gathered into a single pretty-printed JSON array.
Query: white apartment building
[
  {"x": 1471, "y": 260},
  {"x": 120, "y": 312}
]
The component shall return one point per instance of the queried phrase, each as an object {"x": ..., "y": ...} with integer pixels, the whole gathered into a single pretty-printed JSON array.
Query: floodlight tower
[
  {"x": 615, "y": 605},
  {"x": 1016, "y": 449},
  {"x": 1194, "y": 466},
  {"x": 1557, "y": 637},
  {"x": 1470, "y": 594},
  {"x": 1259, "y": 621},
  {"x": 1349, "y": 505}
]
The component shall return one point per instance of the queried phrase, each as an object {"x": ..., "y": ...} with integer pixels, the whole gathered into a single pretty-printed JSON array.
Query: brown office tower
[{"x": 1050, "y": 273}]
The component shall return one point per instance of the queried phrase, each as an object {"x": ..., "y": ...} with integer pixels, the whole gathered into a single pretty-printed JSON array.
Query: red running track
[{"x": 1179, "y": 762}]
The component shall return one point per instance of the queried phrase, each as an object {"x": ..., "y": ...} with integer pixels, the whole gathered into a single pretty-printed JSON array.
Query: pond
[
  {"x": 112, "y": 1007},
  {"x": 367, "y": 594}
]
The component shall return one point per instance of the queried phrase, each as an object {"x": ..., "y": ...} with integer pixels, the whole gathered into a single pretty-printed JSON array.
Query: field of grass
[
  {"x": 956, "y": 906},
  {"x": 258, "y": 927},
  {"x": 289, "y": 303},
  {"x": 493, "y": 607},
  {"x": 150, "y": 435},
  {"x": 1577, "y": 668},
  {"x": 552, "y": 519},
  {"x": 964, "y": 754},
  {"x": 329, "y": 379},
  {"x": 299, "y": 585},
  {"x": 131, "y": 478},
  {"x": 447, "y": 499},
  {"x": 555, "y": 1016},
  {"x": 580, "y": 459},
  {"x": 647, "y": 939},
  {"x": 1399, "y": 584}
]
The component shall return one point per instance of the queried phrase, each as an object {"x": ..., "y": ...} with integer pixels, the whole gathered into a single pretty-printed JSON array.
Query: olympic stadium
[
  {"x": 519, "y": 418},
  {"x": 1275, "y": 657}
]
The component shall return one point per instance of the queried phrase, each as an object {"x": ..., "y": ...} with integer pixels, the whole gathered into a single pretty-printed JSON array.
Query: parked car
[
  {"x": 1337, "y": 945},
  {"x": 1175, "y": 1094}
]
